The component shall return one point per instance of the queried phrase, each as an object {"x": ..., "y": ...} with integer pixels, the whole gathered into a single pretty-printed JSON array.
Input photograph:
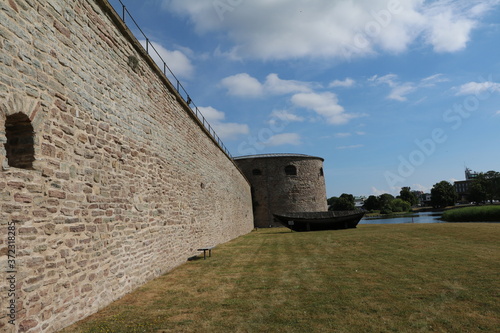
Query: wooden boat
[{"x": 312, "y": 221}]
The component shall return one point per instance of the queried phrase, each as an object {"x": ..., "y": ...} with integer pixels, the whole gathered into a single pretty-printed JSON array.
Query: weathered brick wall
[
  {"x": 125, "y": 184},
  {"x": 276, "y": 192}
]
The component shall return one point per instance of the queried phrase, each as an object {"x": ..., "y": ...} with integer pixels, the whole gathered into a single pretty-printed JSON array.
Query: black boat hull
[{"x": 314, "y": 221}]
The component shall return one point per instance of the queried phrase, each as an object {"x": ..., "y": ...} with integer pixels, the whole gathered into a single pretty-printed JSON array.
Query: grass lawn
[{"x": 441, "y": 277}]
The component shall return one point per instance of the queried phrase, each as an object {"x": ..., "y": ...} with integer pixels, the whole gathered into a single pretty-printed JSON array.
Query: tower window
[
  {"x": 321, "y": 172},
  {"x": 290, "y": 170},
  {"x": 256, "y": 172},
  {"x": 20, "y": 140}
]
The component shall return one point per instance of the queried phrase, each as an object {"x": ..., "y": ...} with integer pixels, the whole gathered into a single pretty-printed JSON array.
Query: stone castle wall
[
  {"x": 275, "y": 191},
  {"x": 125, "y": 183}
]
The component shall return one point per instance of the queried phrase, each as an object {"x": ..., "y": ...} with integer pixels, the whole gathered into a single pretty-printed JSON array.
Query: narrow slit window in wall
[
  {"x": 290, "y": 170},
  {"x": 256, "y": 172},
  {"x": 20, "y": 141}
]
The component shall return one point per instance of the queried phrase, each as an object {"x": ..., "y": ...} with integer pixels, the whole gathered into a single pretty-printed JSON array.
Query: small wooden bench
[{"x": 205, "y": 249}]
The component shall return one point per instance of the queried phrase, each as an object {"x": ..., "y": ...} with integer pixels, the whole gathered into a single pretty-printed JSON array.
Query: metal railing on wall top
[{"x": 178, "y": 85}]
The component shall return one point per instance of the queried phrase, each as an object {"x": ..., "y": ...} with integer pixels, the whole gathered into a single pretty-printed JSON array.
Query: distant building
[
  {"x": 470, "y": 175},
  {"x": 462, "y": 186},
  {"x": 425, "y": 199},
  {"x": 418, "y": 195},
  {"x": 359, "y": 201}
]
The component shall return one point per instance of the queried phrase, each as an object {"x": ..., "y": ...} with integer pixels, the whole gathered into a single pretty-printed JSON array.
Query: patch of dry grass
[{"x": 376, "y": 278}]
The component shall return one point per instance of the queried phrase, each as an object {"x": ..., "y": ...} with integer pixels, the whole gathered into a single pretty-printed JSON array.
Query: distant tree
[
  {"x": 385, "y": 203},
  {"x": 385, "y": 199},
  {"x": 349, "y": 197},
  {"x": 443, "y": 194},
  {"x": 344, "y": 202},
  {"x": 371, "y": 203},
  {"x": 399, "y": 205},
  {"x": 477, "y": 193},
  {"x": 496, "y": 186},
  {"x": 407, "y": 195},
  {"x": 386, "y": 209},
  {"x": 331, "y": 201},
  {"x": 490, "y": 182}
]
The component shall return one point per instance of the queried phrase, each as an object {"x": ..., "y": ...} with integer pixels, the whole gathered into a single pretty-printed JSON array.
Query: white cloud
[
  {"x": 393, "y": 190},
  {"x": 431, "y": 81},
  {"x": 226, "y": 131},
  {"x": 350, "y": 147},
  {"x": 325, "y": 104},
  {"x": 341, "y": 29},
  {"x": 230, "y": 131},
  {"x": 387, "y": 79},
  {"x": 285, "y": 115},
  {"x": 176, "y": 60},
  {"x": 347, "y": 82},
  {"x": 275, "y": 85},
  {"x": 398, "y": 90},
  {"x": 449, "y": 33},
  {"x": 284, "y": 139},
  {"x": 476, "y": 88},
  {"x": 243, "y": 85},
  {"x": 419, "y": 187},
  {"x": 377, "y": 192},
  {"x": 348, "y": 134},
  {"x": 211, "y": 114}
]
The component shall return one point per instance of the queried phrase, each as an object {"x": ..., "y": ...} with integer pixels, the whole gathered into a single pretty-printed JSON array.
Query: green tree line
[
  {"x": 344, "y": 202},
  {"x": 484, "y": 188},
  {"x": 386, "y": 203}
]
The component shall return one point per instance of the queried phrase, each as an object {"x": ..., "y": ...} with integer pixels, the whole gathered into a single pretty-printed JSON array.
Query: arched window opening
[
  {"x": 256, "y": 172},
  {"x": 321, "y": 172},
  {"x": 20, "y": 141},
  {"x": 290, "y": 170}
]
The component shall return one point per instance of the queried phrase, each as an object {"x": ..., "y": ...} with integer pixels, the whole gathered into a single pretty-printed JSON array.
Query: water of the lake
[{"x": 421, "y": 217}]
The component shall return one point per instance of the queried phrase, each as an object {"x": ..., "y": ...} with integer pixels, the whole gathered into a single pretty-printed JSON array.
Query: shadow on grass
[
  {"x": 288, "y": 231},
  {"x": 273, "y": 231},
  {"x": 195, "y": 258}
]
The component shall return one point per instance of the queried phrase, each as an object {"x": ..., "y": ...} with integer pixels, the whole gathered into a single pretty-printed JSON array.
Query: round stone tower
[{"x": 284, "y": 183}]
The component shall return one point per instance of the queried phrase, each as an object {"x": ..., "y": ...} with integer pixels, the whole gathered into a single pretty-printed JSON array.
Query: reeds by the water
[{"x": 473, "y": 214}]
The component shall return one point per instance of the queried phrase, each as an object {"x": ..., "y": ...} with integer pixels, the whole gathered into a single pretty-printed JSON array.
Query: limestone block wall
[
  {"x": 124, "y": 183},
  {"x": 278, "y": 190}
]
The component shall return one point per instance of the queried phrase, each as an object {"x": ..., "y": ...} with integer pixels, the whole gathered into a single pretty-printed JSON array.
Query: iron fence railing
[{"x": 178, "y": 86}]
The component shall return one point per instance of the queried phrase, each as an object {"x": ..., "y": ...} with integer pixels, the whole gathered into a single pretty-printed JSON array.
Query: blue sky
[{"x": 390, "y": 93}]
